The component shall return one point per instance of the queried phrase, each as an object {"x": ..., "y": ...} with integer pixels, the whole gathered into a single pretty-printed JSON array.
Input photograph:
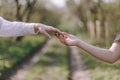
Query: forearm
[{"x": 100, "y": 53}]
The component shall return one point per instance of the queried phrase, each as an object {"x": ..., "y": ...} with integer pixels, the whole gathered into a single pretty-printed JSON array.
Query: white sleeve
[{"x": 10, "y": 29}]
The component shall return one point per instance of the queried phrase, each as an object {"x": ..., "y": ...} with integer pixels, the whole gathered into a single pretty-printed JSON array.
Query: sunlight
[{"x": 59, "y": 3}]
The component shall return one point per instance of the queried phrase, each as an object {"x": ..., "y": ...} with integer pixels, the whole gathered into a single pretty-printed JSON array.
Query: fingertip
[
  {"x": 65, "y": 33},
  {"x": 62, "y": 36},
  {"x": 49, "y": 37},
  {"x": 56, "y": 34}
]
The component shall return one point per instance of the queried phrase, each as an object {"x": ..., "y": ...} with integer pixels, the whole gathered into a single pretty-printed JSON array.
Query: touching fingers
[
  {"x": 61, "y": 38},
  {"x": 56, "y": 34},
  {"x": 66, "y": 35}
]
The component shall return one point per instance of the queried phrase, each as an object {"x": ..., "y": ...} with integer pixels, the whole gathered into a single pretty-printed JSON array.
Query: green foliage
[
  {"x": 100, "y": 70},
  {"x": 53, "y": 64},
  {"x": 15, "y": 52},
  {"x": 54, "y": 60},
  {"x": 45, "y": 16}
]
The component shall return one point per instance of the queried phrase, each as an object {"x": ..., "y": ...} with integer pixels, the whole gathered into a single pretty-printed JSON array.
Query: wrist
[
  {"x": 77, "y": 42},
  {"x": 36, "y": 28}
]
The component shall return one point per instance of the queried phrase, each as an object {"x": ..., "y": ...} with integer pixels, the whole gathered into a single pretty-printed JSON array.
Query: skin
[
  {"x": 44, "y": 29},
  {"x": 110, "y": 55}
]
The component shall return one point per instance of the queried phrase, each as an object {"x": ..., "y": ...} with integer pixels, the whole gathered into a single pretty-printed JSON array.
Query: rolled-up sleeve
[{"x": 11, "y": 29}]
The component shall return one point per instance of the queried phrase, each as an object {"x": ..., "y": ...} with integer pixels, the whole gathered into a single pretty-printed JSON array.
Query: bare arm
[{"x": 107, "y": 55}]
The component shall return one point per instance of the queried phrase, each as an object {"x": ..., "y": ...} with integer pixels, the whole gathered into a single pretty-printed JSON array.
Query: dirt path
[
  {"x": 21, "y": 73},
  {"x": 79, "y": 70}
]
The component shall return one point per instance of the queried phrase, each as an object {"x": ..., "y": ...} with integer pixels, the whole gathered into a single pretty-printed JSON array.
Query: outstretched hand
[
  {"x": 45, "y": 29},
  {"x": 67, "y": 39}
]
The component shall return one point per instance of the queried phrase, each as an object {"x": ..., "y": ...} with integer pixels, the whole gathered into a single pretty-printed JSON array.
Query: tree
[{"x": 25, "y": 13}]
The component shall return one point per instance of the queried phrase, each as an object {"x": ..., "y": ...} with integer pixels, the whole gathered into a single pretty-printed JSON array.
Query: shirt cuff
[{"x": 30, "y": 28}]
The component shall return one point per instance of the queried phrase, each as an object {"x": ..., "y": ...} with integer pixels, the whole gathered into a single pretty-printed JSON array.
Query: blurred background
[{"x": 93, "y": 21}]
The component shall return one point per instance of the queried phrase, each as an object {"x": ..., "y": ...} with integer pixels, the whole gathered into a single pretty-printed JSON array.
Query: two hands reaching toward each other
[
  {"x": 12, "y": 29},
  {"x": 64, "y": 37}
]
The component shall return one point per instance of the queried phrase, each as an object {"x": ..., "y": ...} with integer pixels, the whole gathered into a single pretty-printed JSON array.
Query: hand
[
  {"x": 67, "y": 39},
  {"x": 44, "y": 29}
]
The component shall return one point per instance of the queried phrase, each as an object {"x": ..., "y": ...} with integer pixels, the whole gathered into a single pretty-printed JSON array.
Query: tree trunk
[
  {"x": 107, "y": 34},
  {"x": 98, "y": 30},
  {"x": 90, "y": 23},
  {"x": 91, "y": 29},
  {"x": 27, "y": 12}
]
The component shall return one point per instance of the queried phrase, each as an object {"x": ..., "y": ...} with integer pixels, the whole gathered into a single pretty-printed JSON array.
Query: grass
[
  {"x": 106, "y": 74},
  {"x": 100, "y": 70},
  {"x": 53, "y": 65},
  {"x": 16, "y": 52}
]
